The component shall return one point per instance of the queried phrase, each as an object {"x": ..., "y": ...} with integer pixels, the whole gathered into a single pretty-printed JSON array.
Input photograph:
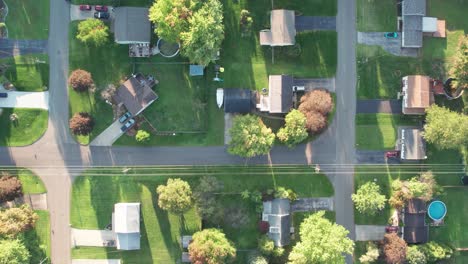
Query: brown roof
[
  {"x": 415, "y": 206},
  {"x": 283, "y": 29},
  {"x": 135, "y": 96},
  {"x": 418, "y": 95},
  {"x": 280, "y": 93},
  {"x": 411, "y": 144}
]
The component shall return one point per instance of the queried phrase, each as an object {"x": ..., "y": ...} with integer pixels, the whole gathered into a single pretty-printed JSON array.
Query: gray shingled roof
[
  {"x": 413, "y": 12},
  {"x": 237, "y": 100},
  {"x": 132, "y": 25},
  {"x": 279, "y": 218},
  {"x": 414, "y": 7}
]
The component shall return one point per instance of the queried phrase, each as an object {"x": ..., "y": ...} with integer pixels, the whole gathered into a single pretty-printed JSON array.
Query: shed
[
  {"x": 417, "y": 94},
  {"x": 132, "y": 26},
  {"x": 282, "y": 31},
  {"x": 126, "y": 225},
  {"x": 238, "y": 100},
  {"x": 411, "y": 144},
  {"x": 277, "y": 214},
  {"x": 136, "y": 95},
  {"x": 196, "y": 70}
]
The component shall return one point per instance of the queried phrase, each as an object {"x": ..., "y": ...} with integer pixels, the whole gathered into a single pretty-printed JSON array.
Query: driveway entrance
[{"x": 109, "y": 136}]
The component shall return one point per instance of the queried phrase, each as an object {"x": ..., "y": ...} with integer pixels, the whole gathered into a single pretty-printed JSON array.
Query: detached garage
[{"x": 238, "y": 100}]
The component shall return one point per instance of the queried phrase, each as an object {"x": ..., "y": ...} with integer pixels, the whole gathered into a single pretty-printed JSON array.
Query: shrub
[
  {"x": 142, "y": 136},
  {"x": 315, "y": 122},
  {"x": 394, "y": 249},
  {"x": 372, "y": 254},
  {"x": 16, "y": 220},
  {"x": 208, "y": 207},
  {"x": 266, "y": 246},
  {"x": 210, "y": 246},
  {"x": 80, "y": 80},
  {"x": 318, "y": 100},
  {"x": 256, "y": 258},
  {"x": 294, "y": 131},
  {"x": 278, "y": 252},
  {"x": 263, "y": 227},
  {"x": 10, "y": 187},
  {"x": 246, "y": 22},
  {"x": 282, "y": 192},
  {"x": 81, "y": 123},
  {"x": 415, "y": 256},
  {"x": 435, "y": 252}
]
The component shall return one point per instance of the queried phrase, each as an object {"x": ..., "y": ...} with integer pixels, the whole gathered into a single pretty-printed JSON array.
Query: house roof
[
  {"x": 128, "y": 241},
  {"x": 411, "y": 144},
  {"x": 415, "y": 206},
  {"x": 135, "y": 95},
  {"x": 237, "y": 100},
  {"x": 412, "y": 13},
  {"x": 415, "y": 229},
  {"x": 280, "y": 93},
  {"x": 126, "y": 221},
  {"x": 416, "y": 235},
  {"x": 132, "y": 25},
  {"x": 418, "y": 94},
  {"x": 414, "y": 7},
  {"x": 283, "y": 29},
  {"x": 277, "y": 213}
]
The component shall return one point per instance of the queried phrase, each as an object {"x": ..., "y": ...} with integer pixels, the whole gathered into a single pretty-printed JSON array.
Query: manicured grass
[
  {"x": 28, "y": 72},
  {"x": 380, "y": 131},
  {"x": 452, "y": 11},
  {"x": 37, "y": 240},
  {"x": 113, "y": 2},
  {"x": 31, "y": 183},
  {"x": 31, "y": 125},
  {"x": 28, "y": 19},
  {"x": 308, "y": 7},
  {"x": 376, "y": 15},
  {"x": 93, "y": 197}
]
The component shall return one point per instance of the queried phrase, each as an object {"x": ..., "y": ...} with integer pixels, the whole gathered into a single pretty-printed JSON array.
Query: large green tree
[
  {"x": 210, "y": 246},
  {"x": 250, "y": 137},
  {"x": 446, "y": 129},
  {"x": 13, "y": 252},
  {"x": 321, "y": 242},
  {"x": 294, "y": 131},
  {"x": 459, "y": 67},
  {"x": 175, "y": 196},
  {"x": 368, "y": 199},
  {"x": 205, "y": 35},
  {"x": 93, "y": 31}
]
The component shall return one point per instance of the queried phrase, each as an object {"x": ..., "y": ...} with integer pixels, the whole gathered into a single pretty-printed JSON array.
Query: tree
[
  {"x": 371, "y": 255},
  {"x": 423, "y": 187},
  {"x": 415, "y": 256},
  {"x": 210, "y": 246},
  {"x": 208, "y": 207},
  {"x": 256, "y": 258},
  {"x": 250, "y": 137},
  {"x": 445, "y": 129},
  {"x": 13, "y": 252},
  {"x": 312, "y": 248},
  {"x": 318, "y": 100},
  {"x": 459, "y": 69},
  {"x": 80, "y": 80},
  {"x": 315, "y": 122},
  {"x": 266, "y": 245},
  {"x": 394, "y": 249},
  {"x": 294, "y": 131},
  {"x": 142, "y": 136},
  {"x": 171, "y": 17},
  {"x": 368, "y": 199},
  {"x": 10, "y": 187},
  {"x": 245, "y": 22},
  {"x": 435, "y": 252},
  {"x": 16, "y": 220},
  {"x": 175, "y": 196},
  {"x": 202, "y": 41},
  {"x": 81, "y": 123},
  {"x": 93, "y": 31}
]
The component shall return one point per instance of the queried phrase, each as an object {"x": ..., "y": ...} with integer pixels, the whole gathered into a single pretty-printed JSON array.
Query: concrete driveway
[
  {"x": 77, "y": 14},
  {"x": 392, "y": 45},
  {"x": 91, "y": 238},
  {"x": 109, "y": 136},
  {"x": 305, "y": 23},
  {"x": 370, "y": 232},
  {"x": 373, "y": 106},
  {"x": 370, "y": 156},
  {"x": 310, "y": 84},
  {"x": 26, "y": 100}
]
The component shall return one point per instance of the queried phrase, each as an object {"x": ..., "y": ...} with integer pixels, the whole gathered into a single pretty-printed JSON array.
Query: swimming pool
[{"x": 437, "y": 210}]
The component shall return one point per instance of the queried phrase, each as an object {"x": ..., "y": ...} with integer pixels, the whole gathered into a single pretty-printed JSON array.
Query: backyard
[
  {"x": 31, "y": 124},
  {"x": 93, "y": 198},
  {"x": 28, "y": 19},
  {"x": 376, "y": 15}
]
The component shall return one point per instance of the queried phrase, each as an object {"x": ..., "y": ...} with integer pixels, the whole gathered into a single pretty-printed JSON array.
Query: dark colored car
[
  {"x": 392, "y": 154},
  {"x": 124, "y": 117},
  {"x": 3, "y": 95},
  {"x": 101, "y": 8},
  {"x": 390, "y": 35},
  {"x": 128, "y": 125},
  {"x": 101, "y": 15},
  {"x": 391, "y": 229},
  {"x": 85, "y": 7}
]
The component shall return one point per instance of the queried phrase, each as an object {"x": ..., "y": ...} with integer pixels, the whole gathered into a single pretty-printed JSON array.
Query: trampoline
[{"x": 436, "y": 210}]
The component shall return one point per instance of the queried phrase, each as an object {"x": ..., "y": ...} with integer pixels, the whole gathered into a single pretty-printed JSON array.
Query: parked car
[
  {"x": 124, "y": 117},
  {"x": 3, "y": 95},
  {"x": 392, "y": 154},
  {"x": 128, "y": 125},
  {"x": 85, "y": 7},
  {"x": 391, "y": 229},
  {"x": 391, "y": 35},
  {"x": 100, "y": 8},
  {"x": 101, "y": 15}
]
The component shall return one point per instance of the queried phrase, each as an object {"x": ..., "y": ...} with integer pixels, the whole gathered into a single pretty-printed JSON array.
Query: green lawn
[
  {"x": 28, "y": 19},
  {"x": 31, "y": 183},
  {"x": 93, "y": 199},
  {"x": 31, "y": 125},
  {"x": 28, "y": 72},
  {"x": 308, "y": 7},
  {"x": 380, "y": 131},
  {"x": 376, "y": 15},
  {"x": 37, "y": 240}
]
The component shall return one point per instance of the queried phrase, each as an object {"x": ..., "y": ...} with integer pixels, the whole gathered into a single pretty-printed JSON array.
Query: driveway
[
  {"x": 227, "y": 126},
  {"x": 374, "y": 106},
  {"x": 91, "y": 238},
  {"x": 392, "y": 45},
  {"x": 26, "y": 100},
  {"x": 95, "y": 261},
  {"x": 370, "y": 156},
  {"x": 370, "y": 232},
  {"x": 306, "y": 23},
  {"x": 16, "y": 47},
  {"x": 36, "y": 201},
  {"x": 312, "y": 204},
  {"x": 310, "y": 84},
  {"x": 109, "y": 136},
  {"x": 77, "y": 14}
]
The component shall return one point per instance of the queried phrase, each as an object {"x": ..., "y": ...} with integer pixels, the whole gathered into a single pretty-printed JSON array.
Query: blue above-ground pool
[{"x": 437, "y": 210}]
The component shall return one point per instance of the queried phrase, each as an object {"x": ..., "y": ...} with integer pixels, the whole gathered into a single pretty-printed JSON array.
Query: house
[
  {"x": 417, "y": 91},
  {"x": 132, "y": 26},
  {"x": 415, "y": 24},
  {"x": 126, "y": 225},
  {"x": 136, "y": 94},
  {"x": 279, "y": 99},
  {"x": 277, "y": 214},
  {"x": 238, "y": 100},
  {"x": 411, "y": 144},
  {"x": 282, "y": 31},
  {"x": 415, "y": 230}
]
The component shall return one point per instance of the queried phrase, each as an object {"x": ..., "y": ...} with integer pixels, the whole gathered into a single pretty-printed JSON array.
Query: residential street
[{"x": 57, "y": 158}]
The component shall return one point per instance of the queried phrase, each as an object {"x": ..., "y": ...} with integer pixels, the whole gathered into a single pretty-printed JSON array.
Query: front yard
[
  {"x": 376, "y": 15},
  {"x": 28, "y": 73},
  {"x": 28, "y": 19},
  {"x": 94, "y": 195},
  {"x": 31, "y": 124}
]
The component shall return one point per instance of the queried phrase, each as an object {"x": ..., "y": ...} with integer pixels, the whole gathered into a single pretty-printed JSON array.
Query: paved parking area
[
  {"x": 227, "y": 126},
  {"x": 374, "y": 106},
  {"x": 392, "y": 45},
  {"x": 370, "y": 156},
  {"x": 26, "y": 100},
  {"x": 304, "y": 23},
  {"x": 370, "y": 232},
  {"x": 91, "y": 238},
  {"x": 310, "y": 84},
  {"x": 312, "y": 204},
  {"x": 109, "y": 136},
  {"x": 77, "y": 14},
  {"x": 16, "y": 47}
]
